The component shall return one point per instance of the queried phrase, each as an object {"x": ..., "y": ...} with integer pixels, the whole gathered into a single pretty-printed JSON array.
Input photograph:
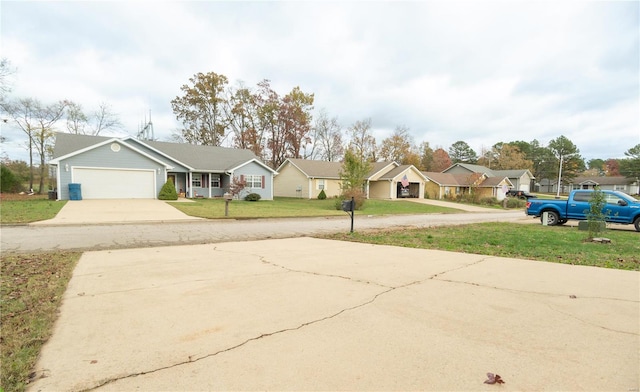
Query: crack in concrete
[
  {"x": 191, "y": 359},
  {"x": 590, "y": 323},
  {"x": 264, "y": 335},
  {"x": 533, "y": 292}
]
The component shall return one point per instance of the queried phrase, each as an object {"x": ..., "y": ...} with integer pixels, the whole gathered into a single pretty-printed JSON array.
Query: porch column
[
  {"x": 188, "y": 184},
  {"x": 209, "y": 184}
]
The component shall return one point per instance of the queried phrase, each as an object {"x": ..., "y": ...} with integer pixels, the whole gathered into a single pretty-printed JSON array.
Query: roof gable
[
  {"x": 195, "y": 157},
  {"x": 72, "y": 146},
  {"x": 325, "y": 169}
]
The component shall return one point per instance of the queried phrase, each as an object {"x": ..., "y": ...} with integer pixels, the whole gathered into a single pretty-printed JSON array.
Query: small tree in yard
[
  {"x": 236, "y": 186},
  {"x": 596, "y": 215},
  {"x": 168, "y": 191},
  {"x": 353, "y": 175}
]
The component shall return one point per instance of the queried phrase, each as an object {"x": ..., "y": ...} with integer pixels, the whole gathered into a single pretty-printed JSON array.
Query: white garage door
[{"x": 115, "y": 183}]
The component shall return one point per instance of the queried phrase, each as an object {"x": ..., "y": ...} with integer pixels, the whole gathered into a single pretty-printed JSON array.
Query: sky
[{"x": 481, "y": 72}]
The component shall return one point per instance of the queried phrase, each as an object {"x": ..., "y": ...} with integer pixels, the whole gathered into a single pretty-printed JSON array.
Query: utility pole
[{"x": 559, "y": 177}]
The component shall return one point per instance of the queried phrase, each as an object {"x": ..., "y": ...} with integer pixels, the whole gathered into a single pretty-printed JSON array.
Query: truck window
[
  {"x": 582, "y": 196},
  {"x": 612, "y": 199}
]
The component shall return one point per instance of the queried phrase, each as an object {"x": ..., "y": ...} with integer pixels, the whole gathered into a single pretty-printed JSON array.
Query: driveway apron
[
  {"x": 313, "y": 314},
  {"x": 116, "y": 211}
]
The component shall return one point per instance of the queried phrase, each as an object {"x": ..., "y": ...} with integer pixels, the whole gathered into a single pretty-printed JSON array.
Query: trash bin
[
  {"x": 53, "y": 195},
  {"x": 75, "y": 192}
]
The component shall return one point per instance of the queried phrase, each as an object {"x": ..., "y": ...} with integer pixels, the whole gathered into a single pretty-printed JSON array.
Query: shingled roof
[
  {"x": 197, "y": 157},
  {"x": 325, "y": 169}
]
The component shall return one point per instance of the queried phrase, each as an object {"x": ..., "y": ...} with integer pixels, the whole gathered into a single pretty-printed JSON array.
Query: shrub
[
  {"x": 358, "y": 197},
  {"x": 513, "y": 202},
  {"x": 322, "y": 195},
  {"x": 489, "y": 201},
  {"x": 252, "y": 197},
  {"x": 10, "y": 183},
  {"x": 168, "y": 191}
]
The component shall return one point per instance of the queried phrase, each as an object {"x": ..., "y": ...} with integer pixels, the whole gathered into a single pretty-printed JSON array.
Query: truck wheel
[
  {"x": 636, "y": 223},
  {"x": 552, "y": 220}
]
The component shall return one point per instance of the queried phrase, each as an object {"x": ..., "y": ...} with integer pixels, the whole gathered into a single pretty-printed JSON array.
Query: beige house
[
  {"x": 451, "y": 186},
  {"x": 304, "y": 178},
  {"x": 520, "y": 180}
]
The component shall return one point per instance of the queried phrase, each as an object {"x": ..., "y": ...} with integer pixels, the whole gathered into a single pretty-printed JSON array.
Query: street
[{"x": 30, "y": 238}]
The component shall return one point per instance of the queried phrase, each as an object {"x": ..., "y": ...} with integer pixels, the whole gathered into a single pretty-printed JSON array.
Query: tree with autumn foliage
[
  {"x": 295, "y": 117},
  {"x": 441, "y": 160},
  {"x": 201, "y": 109},
  {"x": 426, "y": 157},
  {"x": 612, "y": 167},
  {"x": 505, "y": 156},
  {"x": 241, "y": 111},
  {"x": 398, "y": 147}
]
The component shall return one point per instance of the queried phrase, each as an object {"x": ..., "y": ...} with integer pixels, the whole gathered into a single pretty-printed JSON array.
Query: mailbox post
[
  {"x": 227, "y": 198},
  {"x": 348, "y": 206}
]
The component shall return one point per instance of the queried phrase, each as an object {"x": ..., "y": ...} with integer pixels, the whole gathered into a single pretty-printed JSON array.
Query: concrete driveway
[
  {"x": 115, "y": 211},
  {"x": 311, "y": 314}
]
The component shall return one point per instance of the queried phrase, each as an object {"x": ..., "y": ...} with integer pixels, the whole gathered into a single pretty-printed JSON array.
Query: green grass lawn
[
  {"x": 25, "y": 211},
  {"x": 31, "y": 286},
  {"x": 559, "y": 244},
  {"x": 282, "y": 207}
]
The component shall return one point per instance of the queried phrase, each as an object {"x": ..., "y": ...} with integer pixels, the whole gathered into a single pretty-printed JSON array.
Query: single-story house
[
  {"x": 305, "y": 178},
  {"x": 611, "y": 183},
  {"x": 520, "y": 179},
  {"x": 127, "y": 168},
  {"x": 450, "y": 185}
]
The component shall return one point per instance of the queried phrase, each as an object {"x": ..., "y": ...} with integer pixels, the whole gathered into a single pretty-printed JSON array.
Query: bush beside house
[{"x": 168, "y": 191}]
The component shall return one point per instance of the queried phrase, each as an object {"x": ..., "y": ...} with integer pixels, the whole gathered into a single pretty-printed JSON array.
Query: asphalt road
[{"x": 29, "y": 238}]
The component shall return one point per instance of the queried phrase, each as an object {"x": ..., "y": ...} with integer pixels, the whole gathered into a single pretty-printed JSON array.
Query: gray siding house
[{"x": 126, "y": 168}]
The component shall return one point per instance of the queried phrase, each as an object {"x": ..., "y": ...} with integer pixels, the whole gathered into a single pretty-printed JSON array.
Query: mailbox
[
  {"x": 227, "y": 196},
  {"x": 347, "y": 205}
]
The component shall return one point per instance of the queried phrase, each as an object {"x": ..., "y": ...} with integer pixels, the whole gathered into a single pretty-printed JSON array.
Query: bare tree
[
  {"x": 5, "y": 72},
  {"x": 361, "y": 141},
  {"x": 327, "y": 138},
  {"x": 99, "y": 120},
  {"x": 38, "y": 122},
  {"x": 104, "y": 118}
]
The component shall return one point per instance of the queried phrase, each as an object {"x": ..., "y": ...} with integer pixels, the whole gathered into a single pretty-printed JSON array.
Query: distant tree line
[{"x": 278, "y": 126}]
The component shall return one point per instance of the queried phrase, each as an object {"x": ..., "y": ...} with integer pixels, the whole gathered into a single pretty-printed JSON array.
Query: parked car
[{"x": 520, "y": 194}]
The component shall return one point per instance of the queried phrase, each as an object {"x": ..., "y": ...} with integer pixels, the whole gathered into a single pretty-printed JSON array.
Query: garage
[{"x": 115, "y": 183}]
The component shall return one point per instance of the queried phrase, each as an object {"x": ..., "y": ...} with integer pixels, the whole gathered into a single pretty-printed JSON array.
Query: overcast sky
[{"x": 482, "y": 72}]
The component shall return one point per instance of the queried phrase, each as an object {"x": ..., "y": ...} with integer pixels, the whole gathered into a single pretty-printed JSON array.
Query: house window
[
  {"x": 321, "y": 184},
  {"x": 620, "y": 188},
  {"x": 196, "y": 180},
  {"x": 253, "y": 181},
  {"x": 215, "y": 180}
]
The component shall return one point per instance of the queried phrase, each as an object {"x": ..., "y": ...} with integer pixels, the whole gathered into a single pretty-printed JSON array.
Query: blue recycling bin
[{"x": 75, "y": 192}]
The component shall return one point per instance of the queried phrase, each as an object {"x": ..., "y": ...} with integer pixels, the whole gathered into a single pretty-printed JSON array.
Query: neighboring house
[
  {"x": 449, "y": 185},
  {"x": 611, "y": 183},
  {"x": 127, "y": 168},
  {"x": 305, "y": 178},
  {"x": 520, "y": 179}
]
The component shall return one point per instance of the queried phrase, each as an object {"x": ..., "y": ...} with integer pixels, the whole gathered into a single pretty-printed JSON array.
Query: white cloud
[{"x": 482, "y": 72}]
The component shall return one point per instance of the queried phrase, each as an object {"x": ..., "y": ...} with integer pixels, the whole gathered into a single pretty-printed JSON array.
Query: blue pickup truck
[{"x": 620, "y": 208}]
